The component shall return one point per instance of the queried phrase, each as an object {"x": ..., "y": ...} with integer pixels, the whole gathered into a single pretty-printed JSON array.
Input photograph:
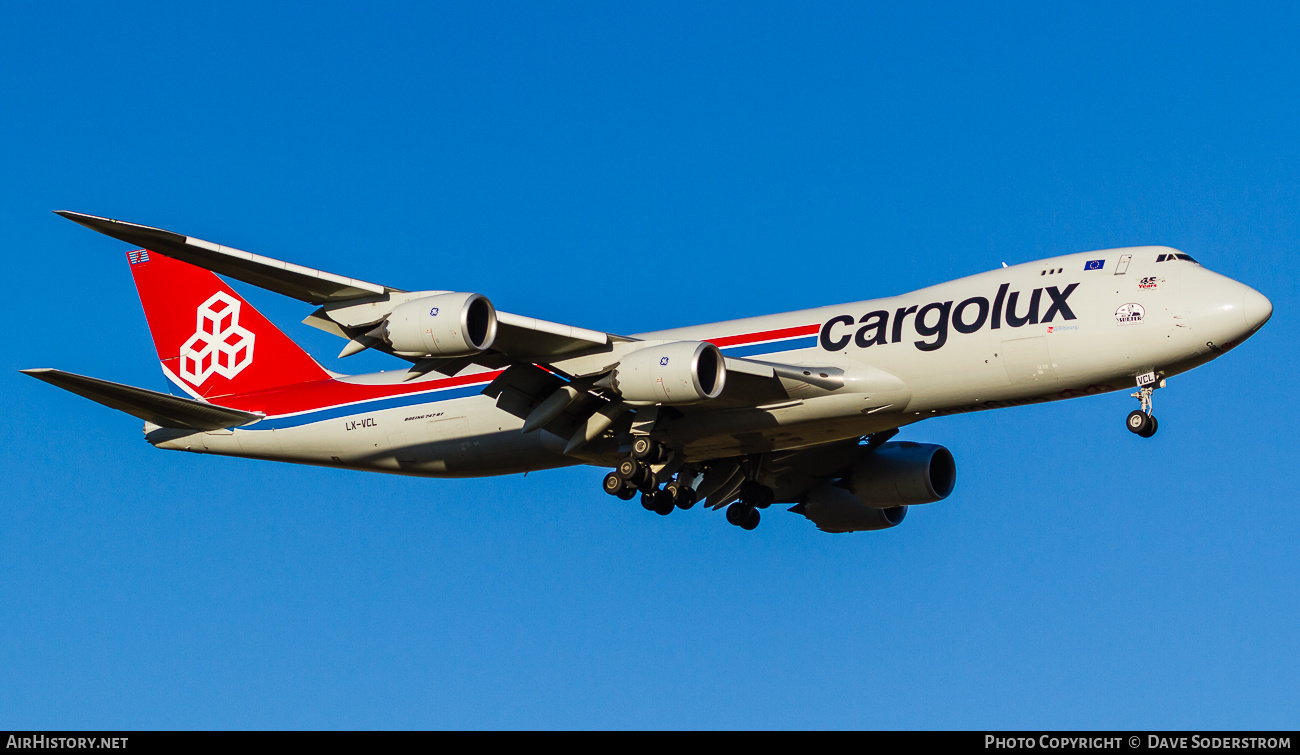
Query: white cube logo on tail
[{"x": 219, "y": 344}]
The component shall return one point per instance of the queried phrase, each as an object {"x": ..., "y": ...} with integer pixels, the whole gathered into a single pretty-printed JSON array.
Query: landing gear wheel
[
  {"x": 648, "y": 500},
  {"x": 645, "y": 449},
  {"x": 1142, "y": 422},
  {"x": 627, "y": 493},
  {"x": 630, "y": 470},
  {"x": 1138, "y": 421},
  {"x": 738, "y": 514},
  {"x": 754, "y": 493},
  {"x": 614, "y": 484},
  {"x": 751, "y": 521},
  {"x": 683, "y": 496},
  {"x": 663, "y": 503}
]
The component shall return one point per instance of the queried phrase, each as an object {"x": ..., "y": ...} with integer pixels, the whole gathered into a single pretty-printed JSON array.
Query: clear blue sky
[{"x": 627, "y": 169}]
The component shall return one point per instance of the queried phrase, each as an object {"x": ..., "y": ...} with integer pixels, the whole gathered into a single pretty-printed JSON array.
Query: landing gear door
[{"x": 1122, "y": 267}]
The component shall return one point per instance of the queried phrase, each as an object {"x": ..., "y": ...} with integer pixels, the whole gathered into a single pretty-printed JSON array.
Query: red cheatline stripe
[
  {"x": 767, "y": 335},
  {"x": 325, "y": 394}
]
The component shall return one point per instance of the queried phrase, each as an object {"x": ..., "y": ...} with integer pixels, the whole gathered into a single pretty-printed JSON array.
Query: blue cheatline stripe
[
  {"x": 174, "y": 385},
  {"x": 379, "y": 404},
  {"x": 770, "y": 348}
]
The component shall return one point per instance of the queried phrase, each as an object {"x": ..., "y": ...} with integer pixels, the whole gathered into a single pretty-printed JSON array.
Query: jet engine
[
  {"x": 904, "y": 473},
  {"x": 879, "y": 488},
  {"x": 680, "y": 372},
  {"x": 447, "y": 325},
  {"x": 834, "y": 509}
]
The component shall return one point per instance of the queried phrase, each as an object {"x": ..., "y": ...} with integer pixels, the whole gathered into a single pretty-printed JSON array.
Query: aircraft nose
[
  {"x": 1257, "y": 309},
  {"x": 1222, "y": 311}
]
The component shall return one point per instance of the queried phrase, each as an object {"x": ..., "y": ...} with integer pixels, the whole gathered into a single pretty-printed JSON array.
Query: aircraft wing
[
  {"x": 296, "y": 281},
  {"x": 161, "y": 409},
  {"x": 351, "y": 309},
  {"x": 349, "y": 306}
]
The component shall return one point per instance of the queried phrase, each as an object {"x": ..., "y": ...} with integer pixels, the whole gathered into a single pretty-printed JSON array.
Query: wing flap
[{"x": 161, "y": 409}]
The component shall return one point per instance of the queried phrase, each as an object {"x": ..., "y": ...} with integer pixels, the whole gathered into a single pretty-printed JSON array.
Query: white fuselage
[{"x": 1030, "y": 333}]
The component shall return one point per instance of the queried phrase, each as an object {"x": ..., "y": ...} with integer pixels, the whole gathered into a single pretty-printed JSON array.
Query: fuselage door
[
  {"x": 1122, "y": 267},
  {"x": 1028, "y": 361}
]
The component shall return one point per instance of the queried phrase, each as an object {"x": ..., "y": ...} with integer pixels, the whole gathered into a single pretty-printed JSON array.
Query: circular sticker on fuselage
[{"x": 1130, "y": 314}]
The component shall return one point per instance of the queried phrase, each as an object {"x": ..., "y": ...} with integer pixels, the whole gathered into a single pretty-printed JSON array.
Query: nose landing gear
[{"x": 1142, "y": 422}]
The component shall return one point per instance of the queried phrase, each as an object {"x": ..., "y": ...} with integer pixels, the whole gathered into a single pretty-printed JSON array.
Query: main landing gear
[
  {"x": 650, "y": 462},
  {"x": 637, "y": 473},
  {"x": 743, "y": 515},
  {"x": 753, "y": 496},
  {"x": 1142, "y": 422}
]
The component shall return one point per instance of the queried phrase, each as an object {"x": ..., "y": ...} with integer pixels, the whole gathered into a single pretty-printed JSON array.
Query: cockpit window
[{"x": 1179, "y": 256}]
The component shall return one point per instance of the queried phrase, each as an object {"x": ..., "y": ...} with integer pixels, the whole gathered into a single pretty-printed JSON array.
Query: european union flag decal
[{"x": 1094, "y": 264}]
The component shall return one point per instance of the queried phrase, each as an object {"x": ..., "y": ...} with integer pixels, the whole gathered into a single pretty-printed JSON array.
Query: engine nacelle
[
  {"x": 834, "y": 509},
  {"x": 904, "y": 474},
  {"x": 682, "y": 372},
  {"x": 444, "y": 325}
]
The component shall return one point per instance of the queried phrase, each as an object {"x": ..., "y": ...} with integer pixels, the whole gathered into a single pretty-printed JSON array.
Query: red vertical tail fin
[{"x": 210, "y": 341}]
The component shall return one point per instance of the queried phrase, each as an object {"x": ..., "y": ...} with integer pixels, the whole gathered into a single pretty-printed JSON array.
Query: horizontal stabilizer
[
  {"x": 296, "y": 281},
  {"x": 159, "y": 408}
]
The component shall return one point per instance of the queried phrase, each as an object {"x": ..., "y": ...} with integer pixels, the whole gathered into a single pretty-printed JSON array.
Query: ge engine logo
[{"x": 218, "y": 345}]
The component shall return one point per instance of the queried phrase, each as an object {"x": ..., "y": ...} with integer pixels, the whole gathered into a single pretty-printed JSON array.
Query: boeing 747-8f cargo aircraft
[{"x": 794, "y": 408}]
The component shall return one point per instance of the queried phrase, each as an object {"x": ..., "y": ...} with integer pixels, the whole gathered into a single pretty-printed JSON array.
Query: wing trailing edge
[{"x": 295, "y": 281}]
